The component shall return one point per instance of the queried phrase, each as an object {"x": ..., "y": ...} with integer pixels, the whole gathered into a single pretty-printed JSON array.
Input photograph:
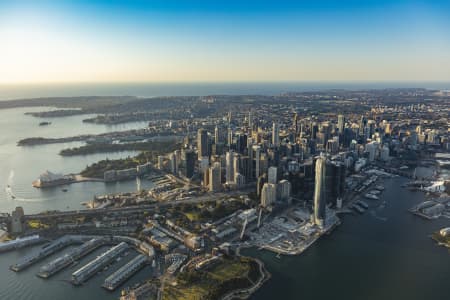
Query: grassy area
[
  {"x": 152, "y": 150},
  {"x": 97, "y": 169},
  {"x": 36, "y": 224},
  {"x": 190, "y": 216},
  {"x": 228, "y": 275},
  {"x": 104, "y": 148}
]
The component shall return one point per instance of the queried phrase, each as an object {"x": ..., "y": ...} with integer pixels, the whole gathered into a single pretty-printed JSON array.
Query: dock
[
  {"x": 69, "y": 258},
  {"x": 90, "y": 269},
  {"x": 21, "y": 243},
  {"x": 42, "y": 253},
  {"x": 125, "y": 272}
]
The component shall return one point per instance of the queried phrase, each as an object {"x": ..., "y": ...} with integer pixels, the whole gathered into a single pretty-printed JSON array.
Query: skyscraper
[
  {"x": 215, "y": 177},
  {"x": 202, "y": 143},
  {"x": 229, "y": 170},
  {"x": 296, "y": 124},
  {"x": 320, "y": 191},
  {"x": 341, "y": 124},
  {"x": 188, "y": 157},
  {"x": 275, "y": 134},
  {"x": 272, "y": 175},
  {"x": 257, "y": 158},
  {"x": 268, "y": 194},
  {"x": 216, "y": 135}
]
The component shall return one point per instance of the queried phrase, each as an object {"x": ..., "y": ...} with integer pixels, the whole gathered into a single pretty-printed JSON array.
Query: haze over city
[{"x": 189, "y": 41}]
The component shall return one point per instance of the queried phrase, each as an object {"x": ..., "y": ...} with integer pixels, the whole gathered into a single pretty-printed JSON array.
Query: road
[{"x": 132, "y": 209}]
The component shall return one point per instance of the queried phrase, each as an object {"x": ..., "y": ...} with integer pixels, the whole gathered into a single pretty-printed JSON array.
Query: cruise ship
[{"x": 48, "y": 179}]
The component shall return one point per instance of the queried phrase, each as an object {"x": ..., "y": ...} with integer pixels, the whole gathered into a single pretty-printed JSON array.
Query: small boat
[
  {"x": 45, "y": 123},
  {"x": 64, "y": 190}
]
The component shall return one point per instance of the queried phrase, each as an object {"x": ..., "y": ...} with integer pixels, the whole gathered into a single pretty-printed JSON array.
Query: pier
[
  {"x": 42, "y": 253},
  {"x": 125, "y": 272},
  {"x": 61, "y": 262},
  {"x": 88, "y": 270}
]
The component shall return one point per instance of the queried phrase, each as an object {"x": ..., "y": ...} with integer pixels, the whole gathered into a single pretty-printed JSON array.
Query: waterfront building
[
  {"x": 268, "y": 194},
  {"x": 320, "y": 191},
  {"x": 284, "y": 187},
  {"x": 372, "y": 148}
]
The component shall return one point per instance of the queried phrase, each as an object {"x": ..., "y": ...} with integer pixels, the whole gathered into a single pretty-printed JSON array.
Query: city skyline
[{"x": 181, "y": 41}]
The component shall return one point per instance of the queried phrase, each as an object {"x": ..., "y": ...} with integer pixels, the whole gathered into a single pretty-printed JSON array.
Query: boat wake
[{"x": 10, "y": 193}]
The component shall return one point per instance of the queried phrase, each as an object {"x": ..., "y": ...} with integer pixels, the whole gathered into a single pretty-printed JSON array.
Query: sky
[{"x": 223, "y": 41}]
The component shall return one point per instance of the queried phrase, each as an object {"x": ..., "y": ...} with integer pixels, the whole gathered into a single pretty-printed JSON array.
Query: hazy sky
[{"x": 155, "y": 41}]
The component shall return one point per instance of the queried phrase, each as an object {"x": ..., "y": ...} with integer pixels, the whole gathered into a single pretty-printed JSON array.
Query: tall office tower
[
  {"x": 241, "y": 143},
  {"x": 173, "y": 163},
  {"x": 236, "y": 164},
  {"x": 257, "y": 158},
  {"x": 320, "y": 191},
  {"x": 268, "y": 194},
  {"x": 188, "y": 158},
  {"x": 229, "y": 167},
  {"x": 371, "y": 125},
  {"x": 250, "y": 120},
  {"x": 246, "y": 168},
  {"x": 261, "y": 180},
  {"x": 341, "y": 124},
  {"x": 362, "y": 125},
  {"x": 206, "y": 178},
  {"x": 216, "y": 135},
  {"x": 230, "y": 137},
  {"x": 275, "y": 134},
  {"x": 202, "y": 143},
  {"x": 285, "y": 190},
  {"x": 296, "y": 124},
  {"x": 314, "y": 130},
  {"x": 335, "y": 179},
  {"x": 272, "y": 175},
  {"x": 215, "y": 183}
]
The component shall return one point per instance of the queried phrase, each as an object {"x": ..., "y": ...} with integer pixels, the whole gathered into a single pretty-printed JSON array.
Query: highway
[{"x": 132, "y": 209}]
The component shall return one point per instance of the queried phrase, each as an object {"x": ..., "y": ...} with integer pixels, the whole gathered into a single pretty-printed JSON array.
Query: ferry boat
[
  {"x": 371, "y": 196},
  {"x": 379, "y": 187}
]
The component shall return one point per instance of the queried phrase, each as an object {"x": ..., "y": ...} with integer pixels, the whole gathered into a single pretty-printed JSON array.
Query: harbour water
[
  {"x": 19, "y": 166},
  {"x": 385, "y": 253}
]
